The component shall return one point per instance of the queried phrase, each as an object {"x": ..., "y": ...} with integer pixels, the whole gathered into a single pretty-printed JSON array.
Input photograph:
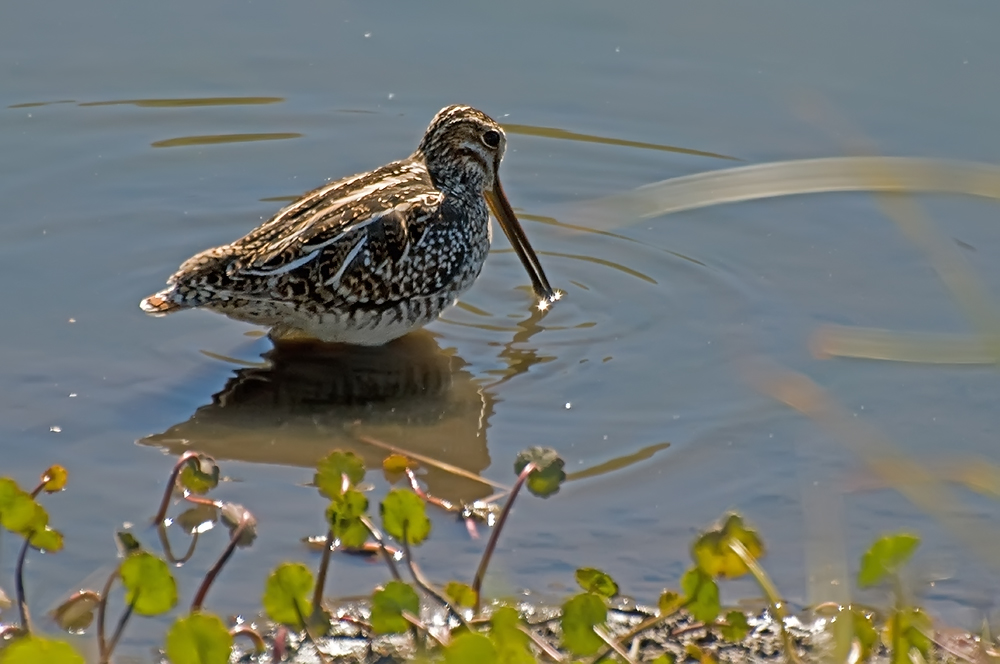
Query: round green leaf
[
  {"x": 47, "y": 539},
  {"x": 735, "y": 628},
  {"x": 460, "y": 594},
  {"x": 200, "y": 638},
  {"x": 596, "y": 581},
  {"x": 513, "y": 645},
  {"x": 331, "y": 469},
  {"x": 885, "y": 557},
  {"x": 286, "y": 594},
  {"x": 54, "y": 479},
  {"x": 548, "y": 474},
  {"x": 19, "y": 512},
  {"x": 579, "y": 616},
  {"x": 76, "y": 613},
  {"x": 200, "y": 474},
  {"x": 35, "y": 649},
  {"x": 669, "y": 602},
  {"x": 470, "y": 647},
  {"x": 713, "y": 554},
  {"x": 388, "y": 604},
  {"x": 702, "y": 595},
  {"x": 149, "y": 585},
  {"x": 344, "y": 516},
  {"x": 401, "y": 507}
]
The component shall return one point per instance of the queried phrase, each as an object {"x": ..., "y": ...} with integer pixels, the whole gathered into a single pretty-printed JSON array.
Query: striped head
[{"x": 462, "y": 148}]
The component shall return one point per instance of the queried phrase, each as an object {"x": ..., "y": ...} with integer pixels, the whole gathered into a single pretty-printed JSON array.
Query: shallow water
[{"x": 135, "y": 136}]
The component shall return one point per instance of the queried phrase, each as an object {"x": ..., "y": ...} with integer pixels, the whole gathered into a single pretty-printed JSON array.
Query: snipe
[{"x": 371, "y": 257}]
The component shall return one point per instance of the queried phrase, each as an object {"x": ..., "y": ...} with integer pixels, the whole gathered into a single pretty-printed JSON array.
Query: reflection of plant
[{"x": 293, "y": 597}]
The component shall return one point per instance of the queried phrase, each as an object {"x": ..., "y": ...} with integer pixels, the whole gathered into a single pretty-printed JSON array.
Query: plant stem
[
  {"x": 551, "y": 652},
  {"x": 477, "y": 582},
  {"x": 258, "y": 641},
  {"x": 171, "y": 483},
  {"x": 102, "y": 606},
  {"x": 168, "y": 551},
  {"x": 308, "y": 633},
  {"x": 614, "y": 645},
  {"x": 22, "y": 602},
  {"x": 199, "y": 598},
  {"x": 772, "y": 596},
  {"x": 324, "y": 564},
  {"x": 419, "y": 579},
  {"x": 120, "y": 627},
  {"x": 381, "y": 545},
  {"x": 419, "y": 626}
]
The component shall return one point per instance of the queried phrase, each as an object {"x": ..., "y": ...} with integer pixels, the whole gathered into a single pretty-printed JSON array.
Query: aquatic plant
[{"x": 472, "y": 629}]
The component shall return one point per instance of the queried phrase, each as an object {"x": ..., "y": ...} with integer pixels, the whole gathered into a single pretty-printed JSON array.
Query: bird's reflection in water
[{"x": 309, "y": 398}]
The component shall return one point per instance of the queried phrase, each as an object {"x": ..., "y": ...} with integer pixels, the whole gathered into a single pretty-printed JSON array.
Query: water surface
[{"x": 136, "y": 135}]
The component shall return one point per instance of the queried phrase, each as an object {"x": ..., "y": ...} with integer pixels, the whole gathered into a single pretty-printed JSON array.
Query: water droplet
[
  {"x": 55, "y": 429},
  {"x": 568, "y": 405}
]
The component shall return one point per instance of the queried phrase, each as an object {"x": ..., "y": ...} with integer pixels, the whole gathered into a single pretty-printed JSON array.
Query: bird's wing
[{"x": 329, "y": 215}]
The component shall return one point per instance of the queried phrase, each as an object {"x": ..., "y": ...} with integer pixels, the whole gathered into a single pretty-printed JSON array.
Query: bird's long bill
[{"x": 500, "y": 206}]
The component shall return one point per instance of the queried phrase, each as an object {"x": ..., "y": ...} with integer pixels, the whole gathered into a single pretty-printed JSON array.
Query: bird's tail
[{"x": 161, "y": 304}]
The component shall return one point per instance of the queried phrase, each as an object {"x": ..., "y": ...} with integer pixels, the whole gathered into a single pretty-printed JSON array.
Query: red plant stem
[
  {"x": 491, "y": 545},
  {"x": 126, "y": 614},
  {"x": 258, "y": 641},
  {"x": 324, "y": 564},
  {"x": 206, "y": 583},
  {"x": 101, "y": 611},
  {"x": 168, "y": 550},
  {"x": 22, "y": 603},
  {"x": 171, "y": 483},
  {"x": 426, "y": 497},
  {"x": 41, "y": 485}
]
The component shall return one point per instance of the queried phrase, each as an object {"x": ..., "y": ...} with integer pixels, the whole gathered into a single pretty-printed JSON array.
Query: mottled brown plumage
[{"x": 371, "y": 257}]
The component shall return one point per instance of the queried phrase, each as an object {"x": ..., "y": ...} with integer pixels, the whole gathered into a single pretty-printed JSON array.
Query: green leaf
[
  {"x": 344, "y": 516},
  {"x": 597, "y": 582},
  {"x": 665, "y": 658},
  {"x": 286, "y": 594},
  {"x": 735, "y": 628},
  {"x": 702, "y": 595},
  {"x": 548, "y": 475},
  {"x": 47, "y": 539},
  {"x": 885, "y": 557},
  {"x": 713, "y": 554},
  {"x": 149, "y": 585},
  {"x": 54, "y": 479},
  {"x": 331, "y": 469},
  {"x": 405, "y": 507},
  {"x": 579, "y": 616},
  {"x": 76, "y": 613},
  {"x": 470, "y": 647},
  {"x": 200, "y": 638},
  {"x": 388, "y": 604},
  {"x": 908, "y": 629},
  {"x": 19, "y": 512},
  {"x": 126, "y": 543},
  {"x": 200, "y": 474},
  {"x": 669, "y": 602},
  {"x": 396, "y": 464},
  {"x": 864, "y": 632},
  {"x": 460, "y": 594},
  {"x": 35, "y": 649},
  {"x": 513, "y": 645}
]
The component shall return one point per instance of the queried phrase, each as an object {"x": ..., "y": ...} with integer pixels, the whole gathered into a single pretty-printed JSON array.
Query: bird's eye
[{"x": 492, "y": 138}]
